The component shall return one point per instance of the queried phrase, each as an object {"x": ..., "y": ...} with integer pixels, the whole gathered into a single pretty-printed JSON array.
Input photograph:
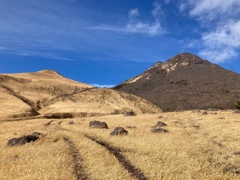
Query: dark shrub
[{"x": 237, "y": 104}]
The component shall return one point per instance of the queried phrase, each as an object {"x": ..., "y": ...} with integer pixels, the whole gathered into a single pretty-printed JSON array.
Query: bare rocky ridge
[
  {"x": 186, "y": 82},
  {"x": 50, "y": 95}
]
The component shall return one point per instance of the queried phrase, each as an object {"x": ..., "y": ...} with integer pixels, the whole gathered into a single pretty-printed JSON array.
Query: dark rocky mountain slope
[{"x": 186, "y": 82}]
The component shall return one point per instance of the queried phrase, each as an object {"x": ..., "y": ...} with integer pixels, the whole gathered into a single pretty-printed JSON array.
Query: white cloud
[
  {"x": 58, "y": 30},
  {"x": 157, "y": 10},
  {"x": 133, "y": 13},
  {"x": 182, "y": 7},
  {"x": 103, "y": 85},
  {"x": 209, "y": 9},
  {"x": 227, "y": 35},
  {"x": 217, "y": 57},
  {"x": 221, "y": 39},
  {"x": 150, "y": 28},
  {"x": 144, "y": 28},
  {"x": 191, "y": 43},
  {"x": 222, "y": 43},
  {"x": 135, "y": 25}
]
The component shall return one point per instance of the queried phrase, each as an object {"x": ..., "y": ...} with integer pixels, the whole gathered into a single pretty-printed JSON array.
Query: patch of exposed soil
[{"x": 78, "y": 169}]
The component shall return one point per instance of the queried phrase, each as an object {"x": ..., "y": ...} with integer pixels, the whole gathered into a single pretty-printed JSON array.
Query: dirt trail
[
  {"x": 33, "y": 105},
  {"x": 134, "y": 171},
  {"x": 78, "y": 169},
  {"x": 51, "y": 101}
]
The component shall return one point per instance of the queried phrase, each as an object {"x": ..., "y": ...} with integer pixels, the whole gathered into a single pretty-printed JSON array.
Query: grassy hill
[{"x": 47, "y": 93}]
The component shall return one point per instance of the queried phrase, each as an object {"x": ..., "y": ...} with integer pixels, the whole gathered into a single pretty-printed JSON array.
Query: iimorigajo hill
[
  {"x": 186, "y": 82},
  {"x": 48, "y": 94}
]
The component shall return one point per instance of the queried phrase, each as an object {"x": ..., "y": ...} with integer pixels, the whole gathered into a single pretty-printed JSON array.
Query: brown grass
[
  {"x": 46, "y": 93},
  {"x": 196, "y": 147}
]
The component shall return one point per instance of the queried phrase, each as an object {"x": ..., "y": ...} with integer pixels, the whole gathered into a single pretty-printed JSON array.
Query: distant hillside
[
  {"x": 47, "y": 93},
  {"x": 186, "y": 82}
]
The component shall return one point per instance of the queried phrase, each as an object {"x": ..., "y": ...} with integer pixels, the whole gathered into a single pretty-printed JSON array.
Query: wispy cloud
[
  {"x": 103, "y": 85},
  {"x": 208, "y": 10},
  {"x": 133, "y": 13},
  {"x": 222, "y": 43},
  {"x": 59, "y": 30},
  {"x": 157, "y": 11},
  {"x": 136, "y": 25},
  {"x": 167, "y": 1},
  {"x": 153, "y": 29},
  {"x": 40, "y": 29},
  {"x": 34, "y": 53},
  {"x": 221, "y": 39}
]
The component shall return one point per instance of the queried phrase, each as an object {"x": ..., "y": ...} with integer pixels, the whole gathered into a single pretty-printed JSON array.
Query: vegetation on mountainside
[{"x": 237, "y": 104}]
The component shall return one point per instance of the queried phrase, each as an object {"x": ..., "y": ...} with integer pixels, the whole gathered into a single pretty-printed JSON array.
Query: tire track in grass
[
  {"x": 132, "y": 170},
  {"x": 78, "y": 169}
]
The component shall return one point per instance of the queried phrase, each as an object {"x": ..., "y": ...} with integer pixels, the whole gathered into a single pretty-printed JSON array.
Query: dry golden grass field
[{"x": 197, "y": 147}]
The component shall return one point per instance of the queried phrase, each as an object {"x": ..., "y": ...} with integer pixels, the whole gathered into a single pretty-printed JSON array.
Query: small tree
[{"x": 237, "y": 104}]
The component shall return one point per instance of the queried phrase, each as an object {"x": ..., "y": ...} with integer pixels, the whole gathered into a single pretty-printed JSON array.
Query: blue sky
[{"x": 108, "y": 41}]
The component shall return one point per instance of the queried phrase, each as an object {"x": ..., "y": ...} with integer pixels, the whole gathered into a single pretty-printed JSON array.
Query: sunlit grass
[{"x": 196, "y": 147}]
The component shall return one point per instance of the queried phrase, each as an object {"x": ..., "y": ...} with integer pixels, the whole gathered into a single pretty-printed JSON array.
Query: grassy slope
[{"x": 47, "y": 92}]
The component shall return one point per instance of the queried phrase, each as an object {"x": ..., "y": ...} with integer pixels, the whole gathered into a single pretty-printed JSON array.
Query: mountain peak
[
  {"x": 183, "y": 59},
  {"x": 49, "y": 72},
  {"x": 187, "y": 58},
  {"x": 186, "y": 82}
]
